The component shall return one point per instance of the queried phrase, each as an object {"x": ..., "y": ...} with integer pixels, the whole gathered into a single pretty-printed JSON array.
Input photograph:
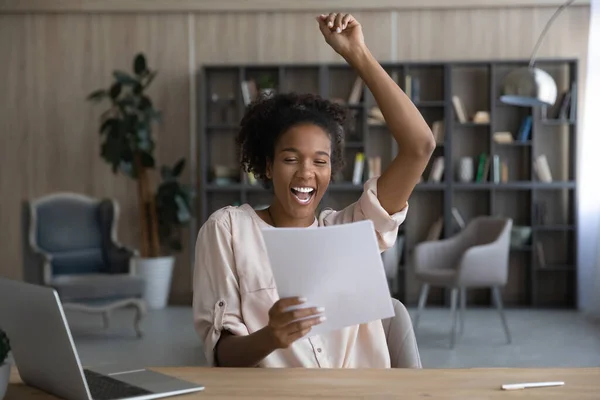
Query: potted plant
[
  {"x": 266, "y": 85},
  {"x": 4, "y": 365},
  {"x": 127, "y": 144}
]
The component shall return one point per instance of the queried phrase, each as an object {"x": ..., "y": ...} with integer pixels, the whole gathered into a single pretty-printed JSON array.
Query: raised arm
[{"x": 415, "y": 140}]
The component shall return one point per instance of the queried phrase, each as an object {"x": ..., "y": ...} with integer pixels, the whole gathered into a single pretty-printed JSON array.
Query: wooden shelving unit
[{"x": 548, "y": 280}]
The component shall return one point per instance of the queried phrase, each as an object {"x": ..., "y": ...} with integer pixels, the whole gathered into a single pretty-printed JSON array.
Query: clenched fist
[{"x": 342, "y": 32}]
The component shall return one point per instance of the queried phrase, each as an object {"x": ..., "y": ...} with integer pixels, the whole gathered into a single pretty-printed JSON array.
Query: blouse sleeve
[
  {"x": 216, "y": 299},
  {"x": 368, "y": 207}
]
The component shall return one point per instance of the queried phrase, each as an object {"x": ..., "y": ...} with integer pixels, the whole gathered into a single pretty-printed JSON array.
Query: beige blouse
[{"x": 234, "y": 287}]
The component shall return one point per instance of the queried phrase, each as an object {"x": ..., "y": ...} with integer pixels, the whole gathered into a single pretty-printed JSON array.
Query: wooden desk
[{"x": 222, "y": 383}]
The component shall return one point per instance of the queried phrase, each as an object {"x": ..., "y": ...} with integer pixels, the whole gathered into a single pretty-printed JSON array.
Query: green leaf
[
  {"x": 108, "y": 124},
  {"x": 139, "y": 64},
  {"x": 115, "y": 90},
  {"x": 150, "y": 78},
  {"x": 145, "y": 103},
  {"x": 183, "y": 212},
  {"x": 137, "y": 88},
  {"x": 124, "y": 78},
  {"x": 97, "y": 95},
  {"x": 178, "y": 168},
  {"x": 165, "y": 173},
  {"x": 147, "y": 160}
]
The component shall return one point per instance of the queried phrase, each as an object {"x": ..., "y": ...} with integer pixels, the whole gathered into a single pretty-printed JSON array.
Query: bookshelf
[{"x": 542, "y": 265}]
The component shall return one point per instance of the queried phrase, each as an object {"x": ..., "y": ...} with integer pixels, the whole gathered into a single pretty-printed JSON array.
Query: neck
[{"x": 280, "y": 219}]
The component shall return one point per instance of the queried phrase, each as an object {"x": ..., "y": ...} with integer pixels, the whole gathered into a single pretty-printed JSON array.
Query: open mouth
[{"x": 303, "y": 194}]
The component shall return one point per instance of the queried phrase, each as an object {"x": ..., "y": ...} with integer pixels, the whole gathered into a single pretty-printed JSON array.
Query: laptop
[{"x": 44, "y": 352}]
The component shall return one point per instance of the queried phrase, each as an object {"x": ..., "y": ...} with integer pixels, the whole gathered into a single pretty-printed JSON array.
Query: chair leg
[
  {"x": 422, "y": 302},
  {"x": 139, "y": 314},
  {"x": 463, "y": 308},
  {"x": 106, "y": 319},
  {"x": 498, "y": 301},
  {"x": 454, "y": 315}
]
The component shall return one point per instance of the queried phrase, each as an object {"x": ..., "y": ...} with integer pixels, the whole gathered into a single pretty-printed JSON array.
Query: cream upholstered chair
[
  {"x": 476, "y": 257},
  {"x": 401, "y": 340}
]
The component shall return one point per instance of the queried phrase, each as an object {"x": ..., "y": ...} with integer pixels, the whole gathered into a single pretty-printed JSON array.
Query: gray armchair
[
  {"x": 71, "y": 245},
  {"x": 401, "y": 341},
  {"x": 476, "y": 257}
]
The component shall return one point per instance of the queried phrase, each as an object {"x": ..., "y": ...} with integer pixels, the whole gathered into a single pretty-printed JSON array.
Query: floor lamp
[{"x": 530, "y": 86}]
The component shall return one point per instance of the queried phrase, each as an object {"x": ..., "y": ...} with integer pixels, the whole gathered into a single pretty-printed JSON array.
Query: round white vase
[
  {"x": 157, "y": 272},
  {"x": 4, "y": 377},
  {"x": 466, "y": 169}
]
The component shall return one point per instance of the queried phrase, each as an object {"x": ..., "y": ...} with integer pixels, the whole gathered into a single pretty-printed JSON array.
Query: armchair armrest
[
  {"x": 39, "y": 269},
  {"x": 439, "y": 254},
  {"x": 484, "y": 265},
  {"x": 118, "y": 258}
]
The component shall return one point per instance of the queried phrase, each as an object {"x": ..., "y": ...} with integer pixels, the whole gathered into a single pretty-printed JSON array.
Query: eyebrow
[{"x": 294, "y": 150}]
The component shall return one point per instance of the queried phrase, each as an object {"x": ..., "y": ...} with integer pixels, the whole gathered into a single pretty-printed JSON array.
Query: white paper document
[{"x": 337, "y": 267}]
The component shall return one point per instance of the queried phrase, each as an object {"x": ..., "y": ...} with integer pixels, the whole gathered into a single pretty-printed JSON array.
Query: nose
[{"x": 306, "y": 169}]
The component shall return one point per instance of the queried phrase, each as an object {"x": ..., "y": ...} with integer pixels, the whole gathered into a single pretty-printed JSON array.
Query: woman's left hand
[{"x": 342, "y": 32}]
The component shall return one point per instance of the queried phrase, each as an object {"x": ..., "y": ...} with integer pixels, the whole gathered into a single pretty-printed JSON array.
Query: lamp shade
[{"x": 528, "y": 87}]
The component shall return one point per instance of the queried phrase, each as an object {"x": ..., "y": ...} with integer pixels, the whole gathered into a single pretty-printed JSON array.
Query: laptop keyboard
[{"x": 104, "y": 387}]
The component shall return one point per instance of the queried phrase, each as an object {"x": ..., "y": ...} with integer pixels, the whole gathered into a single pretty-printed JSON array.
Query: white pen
[{"x": 517, "y": 386}]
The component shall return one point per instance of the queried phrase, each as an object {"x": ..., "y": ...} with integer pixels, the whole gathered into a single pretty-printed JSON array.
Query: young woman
[{"x": 294, "y": 143}]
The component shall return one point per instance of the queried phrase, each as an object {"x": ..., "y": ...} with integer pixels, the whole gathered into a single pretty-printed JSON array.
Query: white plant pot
[
  {"x": 4, "y": 377},
  {"x": 157, "y": 272}
]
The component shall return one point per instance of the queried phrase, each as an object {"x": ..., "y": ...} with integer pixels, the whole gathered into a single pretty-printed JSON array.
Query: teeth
[{"x": 303, "y": 189}]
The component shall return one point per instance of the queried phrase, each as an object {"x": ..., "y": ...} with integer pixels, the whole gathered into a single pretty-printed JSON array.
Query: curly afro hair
[{"x": 267, "y": 118}]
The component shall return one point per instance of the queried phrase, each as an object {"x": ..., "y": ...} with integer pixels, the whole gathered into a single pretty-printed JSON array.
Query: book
[
  {"x": 359, "y": 162},
  {"x": 542, "y": 169},
  {"x": 496, "y": 171},
  {"x": 459, "y": 109},
  {"x": 458, "y": 218},
  {"x": 480, "y": 167},
  {"x": 525, "y": 129},
  {"x": 437, "y": 170},
  {"x": 356, "y": 92},
  {"x": 437, "y": 128}
]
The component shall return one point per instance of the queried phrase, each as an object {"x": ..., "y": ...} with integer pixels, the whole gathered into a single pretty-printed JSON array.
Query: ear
[{"x": 269, "y": 169}]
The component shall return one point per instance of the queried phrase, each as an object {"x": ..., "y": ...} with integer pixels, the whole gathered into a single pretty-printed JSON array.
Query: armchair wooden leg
[
  {"x": 498, "y": 301},
  {"x": 422, "y": 302},
  {"x": 463, "y": 308},
  {"x": 454, "y": 313}
]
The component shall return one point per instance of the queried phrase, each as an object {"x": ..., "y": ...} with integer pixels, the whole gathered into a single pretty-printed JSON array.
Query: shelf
[
  {"x": 222, "y": 127},
  {"x": 354, "y": 145},
  {"x": 430, "y": 103},
  {"x": 346, "y": 186},
  {"x": 557, "y": 122},
  {"x": 523, "y": 197},
  {"x": 514, "y": 144},
  {"x": 514, "y": 185},
  {"x": 555, "y": 185},
  {"x": 472, "y": 124},
  {"x": 232, "y": 187},
  {"x": 492, "y": 185},
  {"x": 555, "y": 267},
  {"x": 357, "y": 106},
  {"x": 553, "y": 228},
  {"x": 430, "y": 186}
]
